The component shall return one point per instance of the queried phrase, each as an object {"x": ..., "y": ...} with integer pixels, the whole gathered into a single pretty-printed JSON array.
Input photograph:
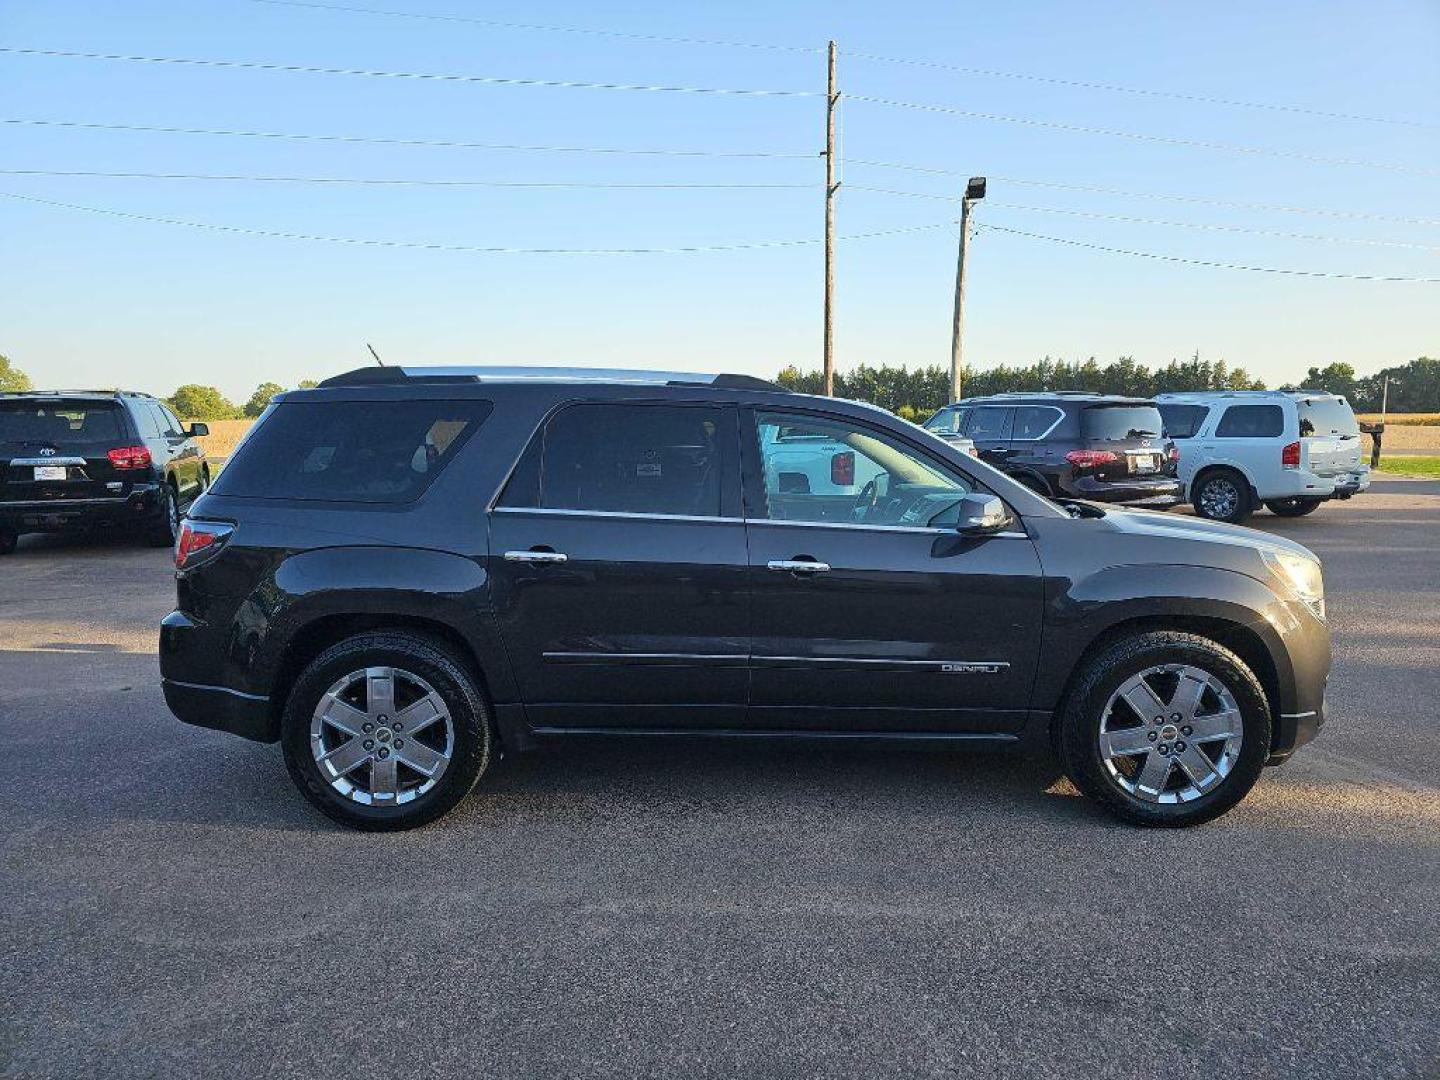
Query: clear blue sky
[{"x": 86, "y": 299}]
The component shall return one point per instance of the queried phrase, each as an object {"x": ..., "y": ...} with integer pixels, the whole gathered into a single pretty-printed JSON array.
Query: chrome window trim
[
  {"x": 926, "y": 529},
  {"x": 41, "y": 461},
  {"x": 628, "y": 515},
  {"x": 1059, "y": 419}
]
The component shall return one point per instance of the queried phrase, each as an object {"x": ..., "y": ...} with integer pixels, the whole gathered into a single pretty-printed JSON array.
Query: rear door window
[
  {"x": 61, "y": 424},
  {"x": 633, "y": 458},
  {"x": 1252, "y": 422},
  {"x": 351, "y": 451},
  {"x": 947, "y": 421},
  {"x": 1183, "y": 421},
  {"x": 1327, "y": 416}
]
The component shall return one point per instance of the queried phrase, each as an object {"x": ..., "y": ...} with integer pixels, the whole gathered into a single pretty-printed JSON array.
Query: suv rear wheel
[
  {"x": 1292, "y": 507},
  {"x": 1223, "y": 495},
  {"x": 1167, "y": 729},
  {"x": 386, "y": 731},
  {"x": 165, "y": 529}
]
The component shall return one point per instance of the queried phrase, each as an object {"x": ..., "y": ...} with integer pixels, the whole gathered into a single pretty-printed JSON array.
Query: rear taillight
[
  {"x": 1088, "y": 459},
  {"x": 842, "y": 469},
  {"x": 129, "y": 457},
  {"x": 198, "y": 541},
  {"x": 1290, "y": 456}
]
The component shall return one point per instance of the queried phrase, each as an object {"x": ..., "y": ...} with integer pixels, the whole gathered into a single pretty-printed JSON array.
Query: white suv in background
[{"x": 1288, "y": 449}]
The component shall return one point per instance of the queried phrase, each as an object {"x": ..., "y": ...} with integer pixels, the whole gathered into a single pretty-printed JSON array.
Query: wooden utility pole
[
  {"x": 974, "y": 189},
  {"x": 830, "y": 99}
]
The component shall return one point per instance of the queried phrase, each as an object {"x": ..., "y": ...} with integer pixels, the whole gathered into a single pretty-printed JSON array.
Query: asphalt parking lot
[{"x": 172, "y": 907}]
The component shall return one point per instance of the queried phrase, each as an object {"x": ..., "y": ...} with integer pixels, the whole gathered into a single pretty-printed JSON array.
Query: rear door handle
[
  {"x": 798, "y": 566},
  {"x": 536, "y": 556}
]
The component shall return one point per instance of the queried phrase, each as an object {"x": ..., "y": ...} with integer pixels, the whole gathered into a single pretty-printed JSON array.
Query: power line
[
  {"x": 1114, "y": 88},
  {"x": 1200, "y": 200},
  {"x": 963, "y": 69},
  {"x": 1205, "y": 262},
  {"x": 401, "y": 181},
  {"x": 660, "y": 39},
  {"x": 487, "y": 80},
  {"x": 1098, "y": 215},
  {"x": 1168, "y": 140},
  {"x": 468, "y": 248},
  {"x": 448, "y": 144}
]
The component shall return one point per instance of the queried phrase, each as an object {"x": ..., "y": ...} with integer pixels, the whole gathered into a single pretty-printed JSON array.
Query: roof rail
[
  {"x": 394, "y": 376},
  {"x": 78, "y": 392}
]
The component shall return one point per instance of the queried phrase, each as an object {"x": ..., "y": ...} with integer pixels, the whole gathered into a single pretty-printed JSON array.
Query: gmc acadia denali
[{"x": 405, "y": 572}]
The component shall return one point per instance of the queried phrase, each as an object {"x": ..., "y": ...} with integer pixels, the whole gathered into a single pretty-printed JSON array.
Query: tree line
[{"x": 915, "y": 393}]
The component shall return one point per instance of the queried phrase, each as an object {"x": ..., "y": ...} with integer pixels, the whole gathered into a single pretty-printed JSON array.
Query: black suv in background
[
  {"x": 1071, "y": 445},
  {"x": 80, "y": 461},
  {"x": 405, "y": 571}
]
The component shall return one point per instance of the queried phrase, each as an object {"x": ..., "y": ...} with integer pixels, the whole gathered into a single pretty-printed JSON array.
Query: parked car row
[
  {"x": 1226, "y": 452},
  {"x": 96, "y": 460}
]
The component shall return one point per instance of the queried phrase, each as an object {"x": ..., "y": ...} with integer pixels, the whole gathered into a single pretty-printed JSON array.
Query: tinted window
[
  {"x": 637, "y": 459},
  {"x": 160, "y": 421},
  {"x": 1327, "y": 416},
  {"x": 61, "y": 423},
  {"x": 1033, "y": 421},
  {"x": 172, "y": 424},
  {"x": 350, "y": 451},
  {"x": 1116, "y": 422},
  {"x": 988, "y": 424},
  {"x": 1251, "y": 422},
  {"x": 947, "y": 421},
  {"x": 1183, "y": 421},
  {"x": 835, "y": 471}
]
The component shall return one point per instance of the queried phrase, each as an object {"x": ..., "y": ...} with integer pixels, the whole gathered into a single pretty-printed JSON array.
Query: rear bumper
[
  {"x": 68, "y": 515},
  {"x": 221, "y": 709},
  {"x": 1160, "y": 493},
  {"x": 1352, "y": 484}
]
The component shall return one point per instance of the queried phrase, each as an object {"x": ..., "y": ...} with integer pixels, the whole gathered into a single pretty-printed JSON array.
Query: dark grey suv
[{"x": 405, "y": 572}]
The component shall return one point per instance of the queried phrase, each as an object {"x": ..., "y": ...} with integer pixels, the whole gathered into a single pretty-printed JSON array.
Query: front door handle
[
  {"x": 536, "y": 556},
  {"x": 798, "y": 566}
]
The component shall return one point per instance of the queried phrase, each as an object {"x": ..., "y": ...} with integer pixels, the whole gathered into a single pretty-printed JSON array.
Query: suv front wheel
[
  {"x": 1166, "y": 728},
  {"x": 386, "y": 731}
]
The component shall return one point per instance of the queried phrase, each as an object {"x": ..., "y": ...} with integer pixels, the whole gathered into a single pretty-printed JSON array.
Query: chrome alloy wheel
[
  {"x": 1170, "y": 734},
  {"x": 1219, "y": 498},
  {"x": 381, "y": 736}
]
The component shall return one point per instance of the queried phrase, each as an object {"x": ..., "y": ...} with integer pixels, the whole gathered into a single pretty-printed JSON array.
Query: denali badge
[{"x": 972, "y": 668}]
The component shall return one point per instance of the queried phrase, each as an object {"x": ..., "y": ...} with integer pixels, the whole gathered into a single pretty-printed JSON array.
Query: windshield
[
  {"x": 60, "y": 423},
  {"x": 1326, "y": 416},
  {"x": 1116, "y": 422}
]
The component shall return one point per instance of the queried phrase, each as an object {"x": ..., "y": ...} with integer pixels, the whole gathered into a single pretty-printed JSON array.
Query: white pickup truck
[{"x": 1289, "y": 450}]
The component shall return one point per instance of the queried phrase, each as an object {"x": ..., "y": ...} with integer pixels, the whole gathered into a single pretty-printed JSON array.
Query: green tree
[
  {"x": 12, "y": 379},
  {"x": 261, "y": 398},
  {"x": 1335, "y": 378},
  {"x": 307, "y": 384},
  {"x": 1414, "y": 387},
  {"x": 192, "y": 402}
]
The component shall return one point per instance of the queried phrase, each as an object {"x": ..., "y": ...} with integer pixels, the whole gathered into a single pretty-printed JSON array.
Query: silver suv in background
[{"x": 1289, "y": 450}]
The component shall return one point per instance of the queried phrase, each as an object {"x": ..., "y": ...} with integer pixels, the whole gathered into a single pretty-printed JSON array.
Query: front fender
[{"x": 1083, "y": 613}]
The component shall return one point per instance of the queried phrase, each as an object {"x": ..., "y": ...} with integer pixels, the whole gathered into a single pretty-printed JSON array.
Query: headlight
[{"x": 1301, "y": 573}]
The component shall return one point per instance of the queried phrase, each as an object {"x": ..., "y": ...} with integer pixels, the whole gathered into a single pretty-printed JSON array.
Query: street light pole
[
  {"x": 974, "y": 191},
  {"x": 831, "y": 97}
]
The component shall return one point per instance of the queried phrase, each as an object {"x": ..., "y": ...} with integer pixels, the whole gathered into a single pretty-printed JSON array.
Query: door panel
[
  {"x": 906, "y": 630},
  {"x": 644, "y": 624}
]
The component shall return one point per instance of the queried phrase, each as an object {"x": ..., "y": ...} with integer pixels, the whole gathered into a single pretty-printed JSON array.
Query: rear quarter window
[{"x": 350, "y": 451}]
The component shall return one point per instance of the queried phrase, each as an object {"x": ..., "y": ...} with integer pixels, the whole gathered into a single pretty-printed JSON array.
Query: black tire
[
  {"x": 1223, "y": 495},
  {"x": 1292, "y": 507},
  {"x": 412, "y": 653},
  {"x": 162, "y": 532},
  {"x": 8, "y": 541},
  {"x": 1079, "y": 725}
]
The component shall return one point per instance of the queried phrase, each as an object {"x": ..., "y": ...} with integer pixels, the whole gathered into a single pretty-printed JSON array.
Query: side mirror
[
  {"x": 198, "y": 431},
  {"x": 981, "y": 515}
]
